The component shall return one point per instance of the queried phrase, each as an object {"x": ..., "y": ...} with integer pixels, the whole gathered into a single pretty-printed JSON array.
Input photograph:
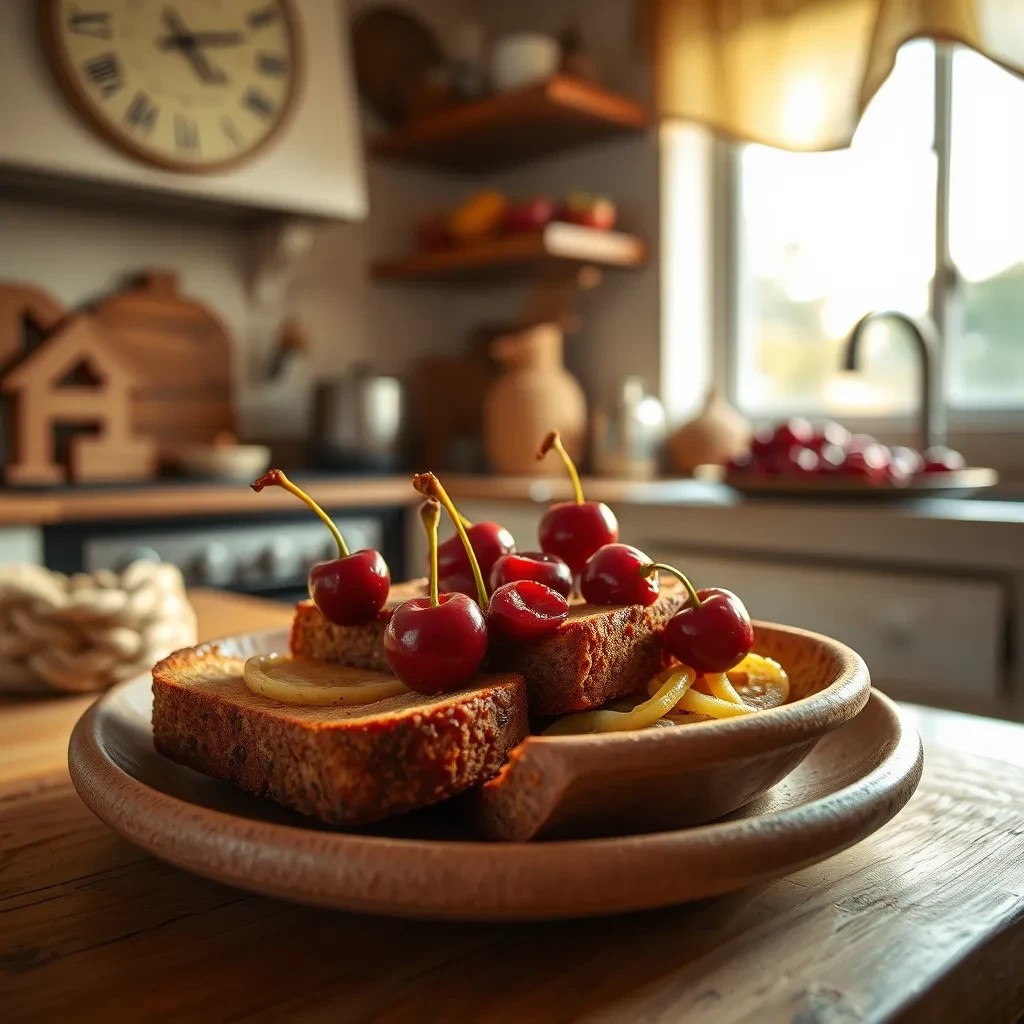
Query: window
[{"x": 819, "y": 239}]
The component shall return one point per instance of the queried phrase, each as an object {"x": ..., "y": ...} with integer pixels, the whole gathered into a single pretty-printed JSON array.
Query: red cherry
[
  {"x": 489, "y": 541},
  {"x": 614, "y": 575},
  {"x": 761, "y": 444},
  {"x": 939, "y": 459},
  {"x": 907, "y": 459},
  {"x": 797, "y": 461},
  {"x": 870, "y": 463},
  {"x": 532, "y": 565},
  {"x": 794, "y": 432},
  {"x": 525, "y": 610},
  {"x": 740, "y": 463},
  {"x": 436, "y": 648},
  {"x": 349, "y": 590},
  {"x": 830, "y": 458},
  {"x": 712, "y": 633},
  {"x": 712, "y": 636},
  {"x": 858, "y": 442},
  {"x": 574, "y": 530}
]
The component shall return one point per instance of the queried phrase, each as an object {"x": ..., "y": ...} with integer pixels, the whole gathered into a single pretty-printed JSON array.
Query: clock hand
[
  {"x": 217, "y": 38},
  {"x": 183, "y": 40}
]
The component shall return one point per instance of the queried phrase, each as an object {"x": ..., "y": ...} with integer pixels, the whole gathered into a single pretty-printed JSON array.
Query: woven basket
[{"x": 74, "y": 634}]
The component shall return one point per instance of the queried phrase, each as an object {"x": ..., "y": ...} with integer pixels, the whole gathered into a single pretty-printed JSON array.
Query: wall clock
[{"x": 187, "y": 85}]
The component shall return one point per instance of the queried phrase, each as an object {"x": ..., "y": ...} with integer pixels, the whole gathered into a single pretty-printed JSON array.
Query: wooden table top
[{"x": 924, "y": 921}]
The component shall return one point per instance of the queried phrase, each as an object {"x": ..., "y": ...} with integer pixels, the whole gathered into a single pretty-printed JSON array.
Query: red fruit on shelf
[
  {"x": 740, "y": 463},
  {"x": 761, "y": 443},
  {"x": 532, "y": 565},
  {"x": 531, "y": 215},
  {"x": 799, "y": 461},
  {"x": 939, "y": 459},
  {"x": 830, "y": 458},
  {"x": 713, "y": 633},
  {"x": 436, "y": 644},
  {"x": 870, "y": 463},
  {"x": 858, "y": 442},
  {"x": 525, "y": 610},
  {"x": 614, "y": 575},
  {"x": 489, "y": 542},
  {"x": 795, "y": 432},
  {"x": 351, "y": 589},
  {"x": 574, "y": 530},
  {"x": 829, "y": 434},
  {"x": 590, "y": 211}
]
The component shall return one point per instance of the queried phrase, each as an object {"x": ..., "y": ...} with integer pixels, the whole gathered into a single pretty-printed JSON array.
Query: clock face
[{"x": 190, "y": 85}]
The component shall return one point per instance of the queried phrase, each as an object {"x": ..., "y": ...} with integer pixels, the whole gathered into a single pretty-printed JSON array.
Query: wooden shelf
[
  {"x": 514, "y": 127},
  {"x": 522, "y": 255}
]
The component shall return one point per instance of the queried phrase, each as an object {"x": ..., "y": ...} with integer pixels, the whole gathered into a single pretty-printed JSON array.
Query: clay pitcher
[{"x": 533, "y": 395}]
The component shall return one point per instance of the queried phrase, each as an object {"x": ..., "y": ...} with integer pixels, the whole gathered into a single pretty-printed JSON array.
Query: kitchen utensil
[
  {"x": 535, "y": 394},
  {"x": 714, "y": 436},
  {"x": 392, "y": 50},
  {"x": 223, "y": 461},
  {"x": 522, "y": 58},
  {"x": 427, "y": 864},
  {"x": 627, "y": 443},
  {"x": 74, "y": 634},
  {"x": 359, "y": 423}
]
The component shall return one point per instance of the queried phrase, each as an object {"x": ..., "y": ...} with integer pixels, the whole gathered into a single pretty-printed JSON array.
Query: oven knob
[
  {"x": 213, "y": 565},
  {"x": 279, "y": 559}
]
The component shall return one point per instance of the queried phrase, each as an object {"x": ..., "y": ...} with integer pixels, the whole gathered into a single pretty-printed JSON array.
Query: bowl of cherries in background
[{"x": 797, "y": 457}]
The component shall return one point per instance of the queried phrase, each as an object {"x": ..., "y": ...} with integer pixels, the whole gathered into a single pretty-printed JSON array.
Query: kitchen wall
[
  {"x": 78, "y": 252},
  {"x": 621, "y": 318}
]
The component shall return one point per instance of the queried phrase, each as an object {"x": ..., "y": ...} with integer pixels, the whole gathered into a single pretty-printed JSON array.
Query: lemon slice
[{"x": 296, "y": 681}]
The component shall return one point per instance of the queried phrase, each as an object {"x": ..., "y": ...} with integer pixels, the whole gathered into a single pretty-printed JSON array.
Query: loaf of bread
[{"x": 344, "y": 765}]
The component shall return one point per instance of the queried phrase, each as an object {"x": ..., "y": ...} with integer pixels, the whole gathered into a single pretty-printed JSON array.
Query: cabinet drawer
[{"x": 922, "y": 637}]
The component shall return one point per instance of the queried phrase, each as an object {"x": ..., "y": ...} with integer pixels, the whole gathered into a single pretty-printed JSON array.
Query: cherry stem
[
  {"x": 276, "y": 478},
  {"x": 554, "y": 440},
  {"x": 429, "y": 486},
  {"x": 647, "y": 570},
  {"x": 467, "y": 523},
  {"x": 430, "y": 513}
]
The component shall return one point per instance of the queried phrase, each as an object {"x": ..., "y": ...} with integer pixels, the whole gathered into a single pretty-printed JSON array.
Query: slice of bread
[
  {"x": 598, "y": 654},
  {"x": 344, "y": 765}
]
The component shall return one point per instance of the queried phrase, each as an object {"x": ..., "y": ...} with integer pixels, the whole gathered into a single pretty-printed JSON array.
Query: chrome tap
[{"x": 926, "y": 338}]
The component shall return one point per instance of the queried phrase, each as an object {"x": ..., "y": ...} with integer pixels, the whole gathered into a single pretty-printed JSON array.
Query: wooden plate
[
  {"x": 428, "y": 865},
  {"x": 958, "y": 483}
]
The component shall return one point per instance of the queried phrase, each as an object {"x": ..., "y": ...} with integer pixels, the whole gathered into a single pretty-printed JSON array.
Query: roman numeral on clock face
[
  {"x": 231, "y": 132},
  {"x": 104, "y": 72},
  {"x": 141, "y": 113},
  {"x": 255, "y": 101},
  {"x": 89, "y": 23},
  {"x": 263, "y": 16},
  {"x": 186, "y": 134},
  {"x": 271, "y": 64}
]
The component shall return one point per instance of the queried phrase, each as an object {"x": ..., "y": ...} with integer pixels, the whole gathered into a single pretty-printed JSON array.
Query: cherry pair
[{"x": 438, "y": 643}]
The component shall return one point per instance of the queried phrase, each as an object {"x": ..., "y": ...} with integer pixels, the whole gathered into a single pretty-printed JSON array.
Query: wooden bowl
[{"x": 572, "y": 786}]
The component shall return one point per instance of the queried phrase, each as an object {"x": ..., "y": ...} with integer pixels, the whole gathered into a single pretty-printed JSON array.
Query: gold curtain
[{"x": 797, "y": 74}]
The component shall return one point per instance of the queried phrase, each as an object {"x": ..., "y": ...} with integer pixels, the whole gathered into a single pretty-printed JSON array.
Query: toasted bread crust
[{"x": 390, "y": 757}]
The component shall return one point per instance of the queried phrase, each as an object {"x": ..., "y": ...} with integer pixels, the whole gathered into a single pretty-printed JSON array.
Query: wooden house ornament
[{"x": 74, "y": 388}]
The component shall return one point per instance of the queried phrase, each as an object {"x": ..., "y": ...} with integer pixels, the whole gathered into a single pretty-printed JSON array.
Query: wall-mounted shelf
[
  {"x": 515, "y": 127},
  {"x": 522, "y": 255}
]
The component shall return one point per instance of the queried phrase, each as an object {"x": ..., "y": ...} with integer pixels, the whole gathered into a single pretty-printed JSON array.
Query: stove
[{"x": 266, "y": 556}]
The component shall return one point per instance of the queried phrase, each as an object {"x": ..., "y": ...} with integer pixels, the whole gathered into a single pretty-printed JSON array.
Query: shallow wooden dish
[
  {"x": 572, "y": 786},
  {"x": 428, "y": 864}
]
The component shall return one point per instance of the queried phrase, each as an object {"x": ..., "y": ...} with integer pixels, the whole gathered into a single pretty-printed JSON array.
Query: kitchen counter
[
  {"x": 923, "y": 921},
  {"x": 171, "y": 498}
]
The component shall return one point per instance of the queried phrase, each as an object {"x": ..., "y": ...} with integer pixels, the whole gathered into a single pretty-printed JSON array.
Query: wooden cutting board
[{"x": 181, "y": 355}]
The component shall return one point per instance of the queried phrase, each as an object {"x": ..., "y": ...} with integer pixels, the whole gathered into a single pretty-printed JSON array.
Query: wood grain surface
[{"x": 922, "y": 922}]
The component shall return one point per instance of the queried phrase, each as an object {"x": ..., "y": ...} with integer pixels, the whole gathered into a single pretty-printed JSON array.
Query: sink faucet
[{"x": 926, "y": 338}]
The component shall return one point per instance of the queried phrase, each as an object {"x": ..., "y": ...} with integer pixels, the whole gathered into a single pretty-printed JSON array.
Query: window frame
[{"x": 997, "y": 426}]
